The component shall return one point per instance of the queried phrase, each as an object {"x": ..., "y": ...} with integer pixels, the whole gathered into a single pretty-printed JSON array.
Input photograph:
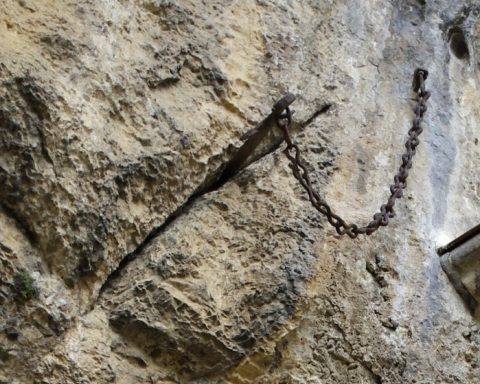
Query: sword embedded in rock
[{"x": 254, "y": 137}]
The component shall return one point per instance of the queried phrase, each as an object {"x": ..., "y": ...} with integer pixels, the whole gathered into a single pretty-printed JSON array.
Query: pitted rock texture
[
  {"x": 230, "y": 281},
  {"x": 123, "y": 261},
  {"x": 106, "y": 131}
]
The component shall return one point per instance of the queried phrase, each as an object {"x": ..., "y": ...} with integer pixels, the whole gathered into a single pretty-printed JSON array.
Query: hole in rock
[{"x": 458, "y": 43}]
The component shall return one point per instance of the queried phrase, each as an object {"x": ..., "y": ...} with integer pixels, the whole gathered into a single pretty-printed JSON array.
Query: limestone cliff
[{"x": 121, "y": 260}]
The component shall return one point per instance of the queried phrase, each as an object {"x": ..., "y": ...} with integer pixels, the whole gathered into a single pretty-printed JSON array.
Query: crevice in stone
[
  {"x": 35, "y": 99},
  {"x": 43, "y": 145},
  {"x": 214, "y": 183},
  {"x": 271, "y": 139},
  {"x": 21, "y": 224},
  {"x": 324, "y": 109},
  {"x": 155, "y": 232}
]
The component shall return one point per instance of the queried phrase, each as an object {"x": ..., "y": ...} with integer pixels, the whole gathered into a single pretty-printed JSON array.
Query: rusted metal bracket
[{"x": 460, "y": 259}]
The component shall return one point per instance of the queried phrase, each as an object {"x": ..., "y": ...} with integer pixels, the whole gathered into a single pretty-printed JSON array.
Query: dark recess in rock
[{"x": 458, "y": 43}]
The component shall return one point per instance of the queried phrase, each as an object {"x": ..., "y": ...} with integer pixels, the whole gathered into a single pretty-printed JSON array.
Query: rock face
[{"x": 124, "y": 261}]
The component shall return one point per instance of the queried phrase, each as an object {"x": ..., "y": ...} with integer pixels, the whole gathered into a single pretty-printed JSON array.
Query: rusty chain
[{"x": 381, "y": 218}]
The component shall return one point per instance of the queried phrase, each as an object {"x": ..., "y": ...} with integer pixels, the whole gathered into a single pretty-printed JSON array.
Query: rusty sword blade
[{"x": 255, "y": 136}]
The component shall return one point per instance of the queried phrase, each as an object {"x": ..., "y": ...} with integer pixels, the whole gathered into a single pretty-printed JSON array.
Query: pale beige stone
[{"x": 117, "y": 117}]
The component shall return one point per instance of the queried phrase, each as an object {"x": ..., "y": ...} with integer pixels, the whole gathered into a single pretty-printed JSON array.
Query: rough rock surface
[{"x": 123, "y": 262}]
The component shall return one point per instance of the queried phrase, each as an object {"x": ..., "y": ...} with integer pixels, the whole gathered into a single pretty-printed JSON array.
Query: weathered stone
[{"x": 117, "y": 117}]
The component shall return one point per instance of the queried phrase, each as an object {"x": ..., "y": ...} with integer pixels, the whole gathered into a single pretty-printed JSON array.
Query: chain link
[{"x": 381, "y": 218}]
